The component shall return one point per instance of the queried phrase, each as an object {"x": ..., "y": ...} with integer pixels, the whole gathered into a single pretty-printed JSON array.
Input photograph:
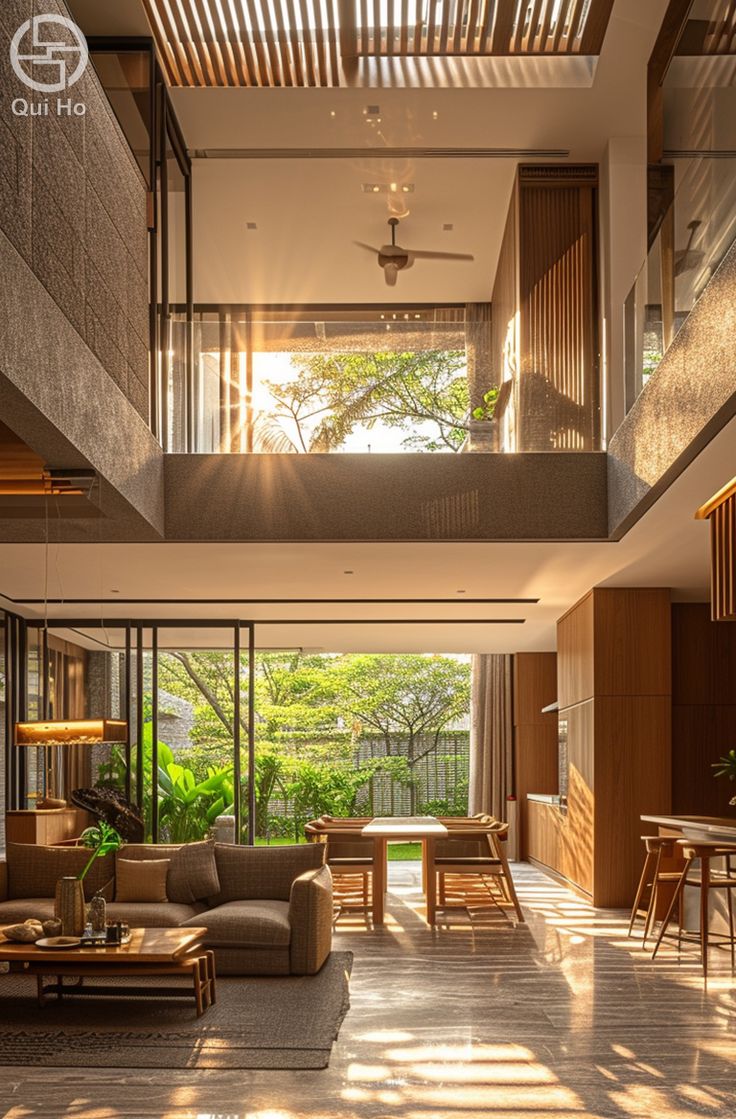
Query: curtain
[{"x": 491, "y": 734}]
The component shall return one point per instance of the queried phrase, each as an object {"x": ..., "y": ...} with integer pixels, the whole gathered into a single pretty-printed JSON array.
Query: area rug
[{"x": 256, "y": 1023}]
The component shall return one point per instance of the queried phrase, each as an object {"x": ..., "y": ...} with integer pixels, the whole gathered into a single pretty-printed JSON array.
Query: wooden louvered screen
[
  {"x": 484, "y": 27},
  {"x": 721, "y": 512},
  {"x": 558, "y": 395},
  {"x": 240, "y": 43},
  {"x": 310, "y": 42}
]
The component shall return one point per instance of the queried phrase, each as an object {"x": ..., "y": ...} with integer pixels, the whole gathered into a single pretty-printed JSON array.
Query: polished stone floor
[{"x": 561, "y": 1018}]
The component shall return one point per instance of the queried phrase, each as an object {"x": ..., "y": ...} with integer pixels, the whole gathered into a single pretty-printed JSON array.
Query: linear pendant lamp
[{"x": 71, "y": 732}]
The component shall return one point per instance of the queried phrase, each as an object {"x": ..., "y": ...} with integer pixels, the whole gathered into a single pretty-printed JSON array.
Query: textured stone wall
[
  {"x": 555, "y": 496},
  {"x": 687, "y": 401},
  {"x": 73, "y": 204}
]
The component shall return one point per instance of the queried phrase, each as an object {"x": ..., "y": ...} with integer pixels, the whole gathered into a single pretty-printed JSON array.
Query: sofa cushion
[
  {"x": 141, "y": 879},
  {"x": 34, "y": 870},
  {"x": 250, "y": 873},
  {"x": 193, "y": 873},
  {"x": 246, "y": 924},
  {"x": 152, "y": 914},
  {"x": 20, "y": 909}
]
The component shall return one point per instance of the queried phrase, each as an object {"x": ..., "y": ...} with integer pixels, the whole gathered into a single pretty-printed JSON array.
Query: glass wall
[{"x": 381, "y": 381}]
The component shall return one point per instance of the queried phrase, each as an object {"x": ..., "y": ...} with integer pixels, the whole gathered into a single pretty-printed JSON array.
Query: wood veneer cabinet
[
  {"x": 535, "y": 734},
  {"x": 614, "y": 673}
]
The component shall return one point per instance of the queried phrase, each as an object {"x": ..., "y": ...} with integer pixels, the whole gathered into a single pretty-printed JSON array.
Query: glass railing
[
  {"x": 386, "y": 386},
  {"x": 696, "y": 232},
  {"x": 391, "y": 383}
]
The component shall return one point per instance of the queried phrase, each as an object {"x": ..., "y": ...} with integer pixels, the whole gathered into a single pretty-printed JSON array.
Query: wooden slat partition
[
  {"x": 721, "y": 512},
  {"x": 310, "y": 42},
  {"x": 558, "y": 399}
]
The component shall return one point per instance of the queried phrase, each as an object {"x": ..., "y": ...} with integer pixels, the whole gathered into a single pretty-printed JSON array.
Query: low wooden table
[
  {"x": 149, "y": 952},
  {"x": 404, "y": 829}
]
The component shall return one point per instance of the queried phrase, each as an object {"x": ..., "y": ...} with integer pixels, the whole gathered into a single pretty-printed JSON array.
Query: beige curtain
[{"x": 491, "y": 734}]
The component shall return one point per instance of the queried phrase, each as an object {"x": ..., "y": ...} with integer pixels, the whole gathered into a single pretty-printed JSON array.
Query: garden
[{"x": 338, "y": 734}]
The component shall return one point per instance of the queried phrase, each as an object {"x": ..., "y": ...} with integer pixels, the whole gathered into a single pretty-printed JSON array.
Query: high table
[
  {"x": 700, "y": 829},
  {"x": 404, "y": 829}
]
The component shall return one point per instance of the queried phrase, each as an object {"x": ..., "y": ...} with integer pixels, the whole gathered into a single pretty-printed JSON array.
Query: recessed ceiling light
[
  {"x": 448, "y": 227},
  {"x": 372, "y": 110},
  {"x": 332, "y": 113},
  {"x": 435, "y": 115},
  {"x": 348, "y": 572},
  {"x": 251, "y": 225}
]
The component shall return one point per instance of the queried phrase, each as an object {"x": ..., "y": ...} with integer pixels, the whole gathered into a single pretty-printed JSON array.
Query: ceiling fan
[{"x": 394, "y": 259}]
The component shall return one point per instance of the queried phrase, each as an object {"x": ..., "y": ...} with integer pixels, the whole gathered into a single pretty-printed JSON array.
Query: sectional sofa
[{"x": 268, "y": 910}]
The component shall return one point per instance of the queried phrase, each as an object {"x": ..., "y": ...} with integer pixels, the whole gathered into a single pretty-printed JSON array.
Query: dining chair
[
  {"x": 473, "y": 856},
  {"x": 350, "y": 857}
]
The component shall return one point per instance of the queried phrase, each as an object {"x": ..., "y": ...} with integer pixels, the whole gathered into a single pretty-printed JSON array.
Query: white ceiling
[
  {"x": 309, "y": 213},
  {"x": 666, "y": 548}
]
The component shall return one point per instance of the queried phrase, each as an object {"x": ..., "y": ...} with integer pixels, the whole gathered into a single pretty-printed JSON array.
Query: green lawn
[{"x": 397, "y": 852}]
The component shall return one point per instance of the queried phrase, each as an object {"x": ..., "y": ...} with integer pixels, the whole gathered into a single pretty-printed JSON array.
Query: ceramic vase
[{"x": 69, "y": 906}]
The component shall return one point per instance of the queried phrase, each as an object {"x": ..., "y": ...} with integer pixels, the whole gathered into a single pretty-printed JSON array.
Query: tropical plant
[
  {"x": 726, "y": 767},
  {"x": 187, "y": 807},
  {"x": 103, "y": 839}
]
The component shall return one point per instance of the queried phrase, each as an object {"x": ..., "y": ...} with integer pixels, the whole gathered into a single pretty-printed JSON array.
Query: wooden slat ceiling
[{"x": 310, "y": 42}]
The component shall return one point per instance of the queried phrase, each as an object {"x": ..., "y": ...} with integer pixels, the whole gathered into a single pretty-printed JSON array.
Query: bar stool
[
  {"x": 658, "y": 847},
  {"x": 705, "y": 851}
]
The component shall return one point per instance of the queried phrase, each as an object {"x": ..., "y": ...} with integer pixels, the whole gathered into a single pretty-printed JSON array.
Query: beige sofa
[{"x": 268, "y": 910}]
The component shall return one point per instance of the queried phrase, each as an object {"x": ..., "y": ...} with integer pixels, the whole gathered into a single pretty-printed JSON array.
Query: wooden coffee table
[{"x": 149, "y": 952}]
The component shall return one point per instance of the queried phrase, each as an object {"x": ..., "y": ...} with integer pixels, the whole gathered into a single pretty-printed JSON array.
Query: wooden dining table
[{"x": 404, "y": 829}]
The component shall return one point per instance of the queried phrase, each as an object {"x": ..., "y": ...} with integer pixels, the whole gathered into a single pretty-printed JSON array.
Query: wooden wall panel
[
  {"x": 576, "y": 852},
  {"x": 535, "y": 734},
  {"x": 575, "y": 665},
  {"x": 614, "y": 677},
  {"x": 632, "y": 641},
  {"x": 535, "y": 687},
  {"x": 703, "y": 656},
  {"x": 633, "y": 752},
  {"x": 703, "y": 709},
  {"x": 559, "y": 397}
]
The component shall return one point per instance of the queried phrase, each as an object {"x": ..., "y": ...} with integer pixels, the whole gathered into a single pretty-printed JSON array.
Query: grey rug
[{"x": 256, "y": 1023}]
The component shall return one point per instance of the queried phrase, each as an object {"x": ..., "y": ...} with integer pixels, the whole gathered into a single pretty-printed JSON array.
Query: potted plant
[
  {"x": 726, "y": 767},
  {"x": 69, "y": 901}
]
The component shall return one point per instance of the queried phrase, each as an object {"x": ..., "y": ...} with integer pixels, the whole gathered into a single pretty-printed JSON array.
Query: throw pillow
[
  {"x": 34, "y": 869},
  {"x": 141, "y": 879},
  {"x": 193, "y": 873}
]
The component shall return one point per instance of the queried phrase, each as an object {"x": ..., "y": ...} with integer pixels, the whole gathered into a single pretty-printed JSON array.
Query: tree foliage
[{"x": 333, "y": 394}]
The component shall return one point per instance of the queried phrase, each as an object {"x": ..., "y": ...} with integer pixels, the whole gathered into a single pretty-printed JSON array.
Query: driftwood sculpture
[{"x": 106, "y": 803}]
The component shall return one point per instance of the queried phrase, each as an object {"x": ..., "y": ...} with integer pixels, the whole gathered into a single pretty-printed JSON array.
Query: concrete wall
[
  {"x": 73, "y": 204},
  {"x": 386, "y": 497},
  {"x": 687, "y": 401}
]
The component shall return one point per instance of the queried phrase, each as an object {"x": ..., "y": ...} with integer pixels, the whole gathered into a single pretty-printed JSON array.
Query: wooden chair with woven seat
[
  {"x": 350, "y": 858},
  {"x": 708, "y": 880},
  {"x": 474, "y": 854},
  {"x": 653, "y": 878}
]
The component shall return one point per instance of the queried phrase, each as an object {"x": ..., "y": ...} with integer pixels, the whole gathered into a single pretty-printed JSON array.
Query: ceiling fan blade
[
  {"x": 427, "y": 255},
  {"x": 390, "y": 272},
  {"x": 362, "y": 245}
]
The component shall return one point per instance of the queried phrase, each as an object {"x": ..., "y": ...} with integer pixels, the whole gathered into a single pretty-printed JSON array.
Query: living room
[{"x": 367, "y": 411}]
